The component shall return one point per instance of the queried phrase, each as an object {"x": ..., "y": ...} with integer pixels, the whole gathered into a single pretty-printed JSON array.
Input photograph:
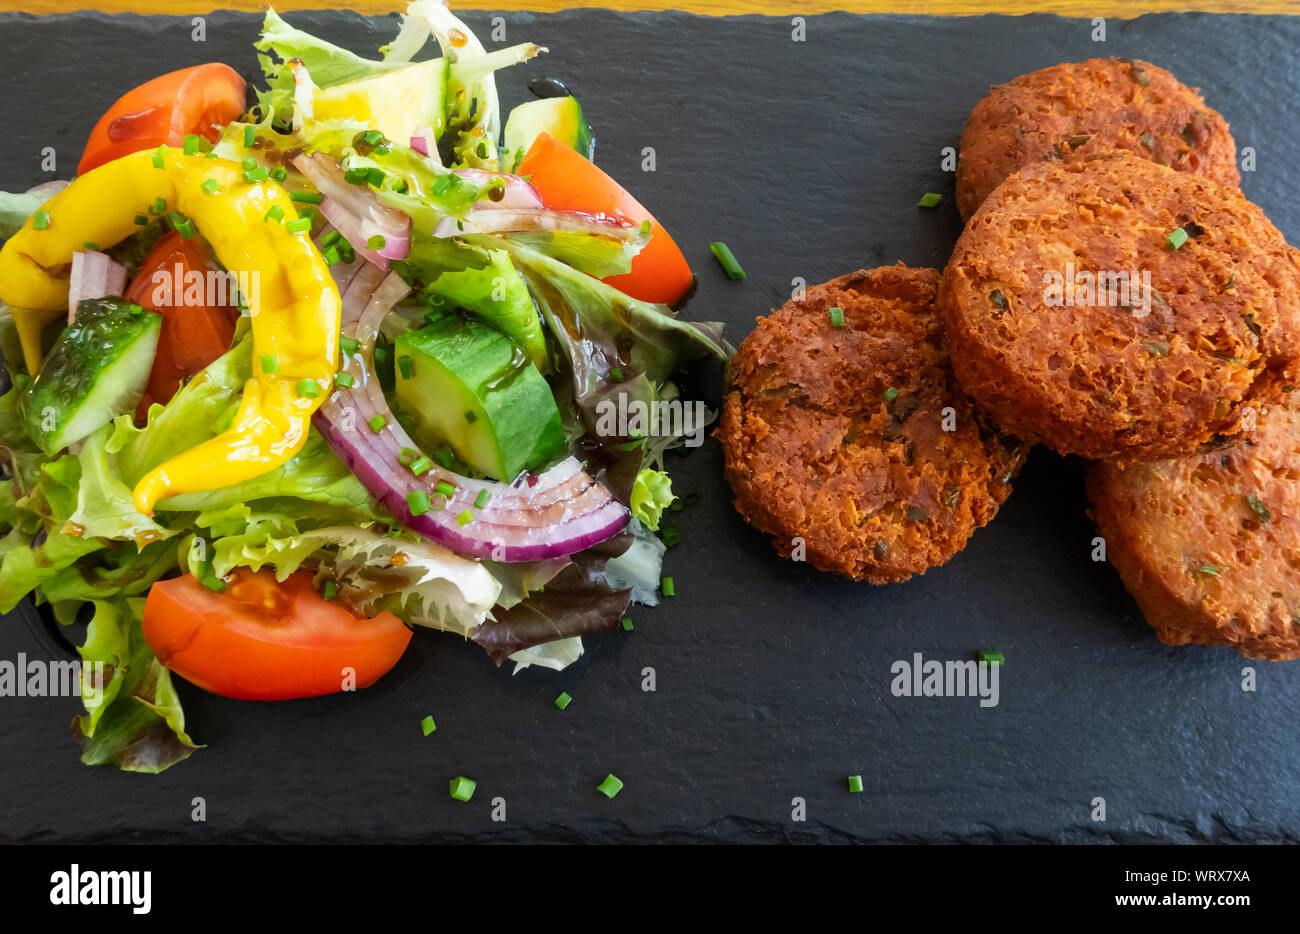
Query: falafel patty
[
  {"x": 1209, "y": 546},
  {"x": 1076, "y": 110},
  {"x": 854, "y": 438},
  {"x": 1119, "y": 310}
]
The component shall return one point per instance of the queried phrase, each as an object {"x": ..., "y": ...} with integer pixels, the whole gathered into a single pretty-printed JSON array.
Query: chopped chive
[
  {"x": 1177, "y": 237},
  {"x": 377, "y": 423},
  {"x": 465, "y": 518},
  {"x": 421, "y": 466},
  {"x": 343, "y": 380},
  {"x": 372, "y": 136},
  {"x": 191, "y": 144},
  {"x": 381, "y": 354},
  {"x": 301, "y": 225},
  {"x": 275, "y": 213},
  {"x": 159, "y": 207},
  {"x": 182, "y": 225},
  {"x": 377, "y": 242},
  {"x": 356, "y": 177},
  {"x": 611, "y": 786},
  {"x": 270, "y": 363},
  {"x": 1258, "y": 508},
  {"x": 248, "y": 162},
  {"x": 427, "y": 726},
  {"x": 418, "y": 502},
  {"x": 331, "y": 238},
  {"x": 331, "y": 255},
  {"x": 158, "y": 157},
  {"x": 627, "y": 624},
  {"x": 91, "y": 245},
  {"x": 375, "y": 176},
  {"x": 616, "y": 374},
  {"x": 929, "y": 200},
  {"x": 837, "y": 317},
  {"x": 140, "y": 221},
  {"x": 406, "y": 366},
  {"x": 41, "y": 220},
  {"x": 308, "y": 388},
  {"x": 406, "y": 455},
  {"x": 444, "y": 457},
  {"x": 213, "y": 583},
  {"x": 443, "y": 184},
  {"x": 307, "y": 197},
  {"x": 350, "y": 345},
  {"x": 210, "y": 186},
  {"x": 462, "y": 789},
  {"x": 471, "y": 417},
  {"x": 329, "y": 590},
  {"x": 891, "y": 394},
  {"x": 482, "y": 499},
  {"x": 446, "y": 489},
  {"x": 668, "y": 587},
  {"x": 855, "y": 783},
  {"x": 564, "y": 700},
  {"x": 250, "y": 136},
  {"x": 670, "y": 535},
  {"x": 346, "y": 251},
  {"x": 991, "y": 657},
  {"x": 1212, "y": 569},
  {"x": 280, "y": 173},
  {"x": 727, "y": 260}
]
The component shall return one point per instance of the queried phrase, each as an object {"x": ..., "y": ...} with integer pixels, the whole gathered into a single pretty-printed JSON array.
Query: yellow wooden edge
[{"x": 1080, "y": 8}]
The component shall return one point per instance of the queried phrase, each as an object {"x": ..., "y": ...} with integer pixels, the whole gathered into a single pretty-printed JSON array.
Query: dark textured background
[{"x": 773, "y": 680}]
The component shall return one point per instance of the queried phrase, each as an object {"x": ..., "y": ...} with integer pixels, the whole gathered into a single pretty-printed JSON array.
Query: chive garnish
[
  {"x": 301, "y": 225},
  {"x": 377, "y": 242},
  {"x": 280, "y": 173},
  {"x": 421, "y": 466},
  {"x": 275, "y": 213},
  {"x": 140, "y": 221},
  {"x": 482, "y": 499},
  {"x": 727, "y": 260},
  {"x": 41, "y": 220},
  {"x": 929, "y": 200},
  {"x": 158, "y": 157},
  {"x": 308, "y": 388},
  {"x": 191, "y": 145},
  {"x": 159, "y": 207},
  {"x": 307, "y": 197},
  {"x": 1258, "y": 508},
  {"x": 611, "y": 786},
  {"x": 670, "y": 535},
  {"x": 1176, "y": 238},
  {"x": 668, "y": 587},
  {"x": 462, "y": 788},
  {"x": 181, "y": 224},
  {"x": 992, "y": 657},
  {"x": 215, "y": 584},
  {"x": 1212, "y": 569},
  {"x": 427, "y": 725},
  {"x": 446, "y": 489},
  {"x": 837, "y": 317},
  {"x": 377, "y": 423},
  {"x": 330, "y": 590},
  {"x": 350, "y": 345},
  {"x": 616, "y": 374},
  {"x": 270, "y": 363},
  {"x": 855, "y": 783},
  {"x": 250, "y": 137},
  {"x": 564, "y": 700},
  {"x": 891, "y": 394},
  {"x": 418, "y": 502},
  {"x": 210, "y": 187},
  {"x": 343, "y": 380},
  {"x": 465, "y": 518},
  {"x": 627, "y": 624},
  {"x": 471, "y": 417}
]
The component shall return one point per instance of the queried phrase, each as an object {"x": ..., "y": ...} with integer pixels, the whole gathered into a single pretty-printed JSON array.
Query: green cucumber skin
[
  {"x": 459, "y": 365},
  {"x": 96, "y": 371},
  {"x": 559, "y": 116}
]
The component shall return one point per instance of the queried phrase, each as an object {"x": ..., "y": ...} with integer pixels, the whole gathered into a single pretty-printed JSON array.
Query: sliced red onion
[
  {"x": 516, "y": 220},
  {"x": 356, "y": 211},
  {"x": 518, "y": 191},
  {"x": 539, "y": 516},
  {"x": 49, "y": 189},
  {"x": 93, "y": 275},
  {"x": 420, "y": 145}
]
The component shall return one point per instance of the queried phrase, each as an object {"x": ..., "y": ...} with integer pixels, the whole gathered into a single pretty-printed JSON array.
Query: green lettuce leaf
[
  {"x": 134, "y": 718},
  {"x": 652, "y": 493}
]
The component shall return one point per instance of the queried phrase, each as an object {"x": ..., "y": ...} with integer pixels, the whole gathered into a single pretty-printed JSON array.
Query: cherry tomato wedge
[
  {"x": 568, "y": 182},
  {"x": 193, "y": 101},
  {"x": 265, "y": 640},
  {"x": 181, "y": 280}
]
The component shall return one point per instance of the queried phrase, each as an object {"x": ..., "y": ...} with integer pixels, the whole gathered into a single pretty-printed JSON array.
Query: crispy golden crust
[
  {"x": 1107, "y": 381},
  {"x": 818, "y": 447},
  {"x": 1074, "y": 111},
  {"x": 1209, "y": 546}
]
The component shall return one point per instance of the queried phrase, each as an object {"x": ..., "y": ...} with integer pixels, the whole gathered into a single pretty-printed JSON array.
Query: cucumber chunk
[
  {"x": 560, "y": 116},
  {"x": 465, "y": 384},
  {"x": 96, "y": 371}
]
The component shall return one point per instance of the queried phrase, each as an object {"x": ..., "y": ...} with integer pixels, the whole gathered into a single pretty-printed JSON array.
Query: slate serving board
[{"x": 772, "y": 679}]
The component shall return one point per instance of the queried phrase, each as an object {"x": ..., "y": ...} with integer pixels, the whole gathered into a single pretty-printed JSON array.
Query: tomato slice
[
  {"x": 265, "y": 640},
  {"x": 181, "y": 280},
  {"x": 197, "y": 100},
  {"x": 566, "y": 181}
]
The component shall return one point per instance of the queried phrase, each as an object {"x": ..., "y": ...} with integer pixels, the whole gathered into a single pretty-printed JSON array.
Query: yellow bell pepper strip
[{"x": 294, "y": 303}]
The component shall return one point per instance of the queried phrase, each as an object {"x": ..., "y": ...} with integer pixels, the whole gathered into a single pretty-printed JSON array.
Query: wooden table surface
[{"x": 1081, "y": 8}]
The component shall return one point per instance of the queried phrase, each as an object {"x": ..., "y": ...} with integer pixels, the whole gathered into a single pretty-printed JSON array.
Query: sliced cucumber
[
  {"x": 397, "y": 103},
  {"x": 465, "y": 384},
  {"x": 560, "y": 116},
  {"x": 498, "y": 295},
  {"x": 96, "y": 371}
]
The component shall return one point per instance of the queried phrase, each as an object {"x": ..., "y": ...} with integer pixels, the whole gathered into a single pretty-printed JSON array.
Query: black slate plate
[{"x": 773, "y": 680}]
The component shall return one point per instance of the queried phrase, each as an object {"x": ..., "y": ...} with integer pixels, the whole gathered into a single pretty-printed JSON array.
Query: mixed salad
[{"x": 289, "y": 379}]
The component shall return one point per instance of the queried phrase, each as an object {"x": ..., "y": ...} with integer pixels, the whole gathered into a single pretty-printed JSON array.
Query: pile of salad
[{"x": 288, "y": 379}]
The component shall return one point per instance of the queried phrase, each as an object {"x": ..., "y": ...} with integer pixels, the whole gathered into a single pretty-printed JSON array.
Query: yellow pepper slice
[{"x": 294, "y": 304}]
